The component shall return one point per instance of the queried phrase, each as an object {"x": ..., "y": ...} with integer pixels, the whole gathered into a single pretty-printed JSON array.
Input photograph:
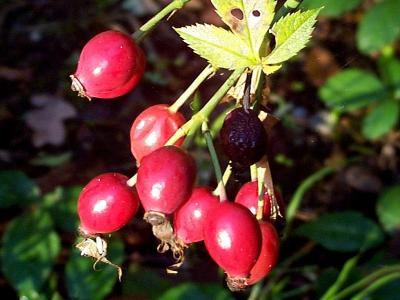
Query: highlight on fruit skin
[
  {"x": 106, "y": 204},
  {"x": 152, "y": 128},
  {"x": 110, "y": 65},
  {"x": 233, "y": 239}
]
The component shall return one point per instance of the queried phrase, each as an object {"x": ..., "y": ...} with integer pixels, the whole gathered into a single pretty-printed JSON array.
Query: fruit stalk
[
  {"x": 197, "y": 119},
  {"x": 260, "y": 180},
  {"x": 214, "y": 159},
  {"x": 286, "y": 8},
  {"x": 206, "y": 73},
  {"x": 153, "y": 22}
]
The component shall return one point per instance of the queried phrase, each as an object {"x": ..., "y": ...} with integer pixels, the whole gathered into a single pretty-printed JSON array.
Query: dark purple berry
[{"x": 243, "y": 137}]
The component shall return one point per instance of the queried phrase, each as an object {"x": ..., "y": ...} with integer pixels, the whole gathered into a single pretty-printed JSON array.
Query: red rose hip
[
  {"x": 165, "y": 179},
  {"x": 233, "y": 239},
  {"x": 268, "y": 255},
  {"x": 110, "y": 65},
  {"x": 106, "y": 204},
  {"x": 248, "y": 197},
  {"x": 190, "y": 218},
  {"x": 152, "y": 128}
]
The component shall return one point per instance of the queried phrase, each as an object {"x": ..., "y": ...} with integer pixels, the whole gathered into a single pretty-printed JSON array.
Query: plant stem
[
  {"x": 132, "y": 181},
  {"x": 284, "y": 266},
  {"x": 214, "y": 159},
  {"x": 376, "y": 285},
  {"x": 341, "y": 279},
  {"x": 260, "y": 185},
  {"x": 297, "y": 197},
  {"x": 344, "y": 294},
  {"x": 197, "y": 119},
  {"x": 225, "y": 178},
  {"x": 192, "y": 88},
  {"x": 150, "y": 24},
  {"x": 288, "y": 6}
]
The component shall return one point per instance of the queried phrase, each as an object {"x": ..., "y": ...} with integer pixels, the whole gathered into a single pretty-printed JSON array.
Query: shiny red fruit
[
  {"x": 165, "y": 179},
  {"x": 106, "y": 204},
  {"x": 190, "y": 218},
  {"x": 110, "y": 65},
  {"x": 233, "y": 239},
  {"x": 152, "y": 128},
  {"x": 268, "y": 255},
  {"x": 248, "y": 196}
]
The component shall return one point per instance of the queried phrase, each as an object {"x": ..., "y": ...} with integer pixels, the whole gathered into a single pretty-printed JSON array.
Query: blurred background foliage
[{"x": 334, "y": 153}]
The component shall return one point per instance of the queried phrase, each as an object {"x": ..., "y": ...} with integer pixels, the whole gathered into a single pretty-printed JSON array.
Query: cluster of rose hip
[{"x": 245, "y": 247}]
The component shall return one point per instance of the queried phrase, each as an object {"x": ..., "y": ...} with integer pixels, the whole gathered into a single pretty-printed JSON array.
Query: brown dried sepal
[
  {"x": 96, "y": 247},
  {"x": 163, "y": 230},
  {"x": 236, "y": 284},
  {"x": 77, "y": 86}
]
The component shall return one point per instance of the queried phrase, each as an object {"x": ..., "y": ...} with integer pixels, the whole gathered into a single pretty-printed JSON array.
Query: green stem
[
  {"x": 366, "y": 281},
  {"x": 297, "y": 197},
  {"x": 197, "y": 119},
  {"x": 192, "y": 88},
  {"x": 287, "y": 7},
  {"x": 214, "y": 159},
  {"x": 341, "y": 279},
  {"x": 150, "y": 24},
  {"x": 284, "y": 266},
  {"x": 376, "y": 285}
]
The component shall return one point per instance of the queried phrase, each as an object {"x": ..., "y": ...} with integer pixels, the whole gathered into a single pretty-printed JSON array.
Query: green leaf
[
  {"x": 388, "y": 208},
  {"x": 352, "y": 89},
  {"x": 85, "y": 283},
  {"x": 249, "y": 19},
  {"x": 51, "y": 160},
  {"x": 17, "y": 189},
  {"x": 389, "y": 291},
  {"x": 380, "y": 119},
  {"x": 390, "y": 70},
  {"x": 332, "y": 8},
  {"x": 220, "y": 47},
  {"x": 144, "y": 282},
  {"x": 61, "y": 204},
  {"x": 379, "y": 27},
  {"x": 30, "y": 249},
  {"x": 344, "y": 231},
  {"x": 292, "y": 33},
  {"x": 194, "y": 291}
]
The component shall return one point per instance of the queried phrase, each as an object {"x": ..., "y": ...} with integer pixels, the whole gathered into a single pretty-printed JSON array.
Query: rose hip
[
  {"x": 233, "y": 239},
  {"x": 268, "y": 255},
  {"x": 110, "y": 65},
  {"x": 152, "y": 128},
  {"x": 190, "y": 218},
  {"x": 106, "y": 204},
  {"x": 248, "y": 197}
]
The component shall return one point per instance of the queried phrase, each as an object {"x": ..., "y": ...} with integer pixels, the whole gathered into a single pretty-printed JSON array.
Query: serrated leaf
[
  {"x": 17, "y": 189},
  {"x": 379, "y": 27},
  {"x": 220, "y": 47},
  {"x": 388, "y": 208},
  {"x": 344, "y": 231},
  {"x": 83, "y": 282},
  {"x": 249, "y": 19},
  {"x": 333, "y": 8},
  {"x": 352, "y": 89},
  {"x": 30, "y": 249},
  {"x": 380, "y": 119},
  {"x": 292, "y": 33}
]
